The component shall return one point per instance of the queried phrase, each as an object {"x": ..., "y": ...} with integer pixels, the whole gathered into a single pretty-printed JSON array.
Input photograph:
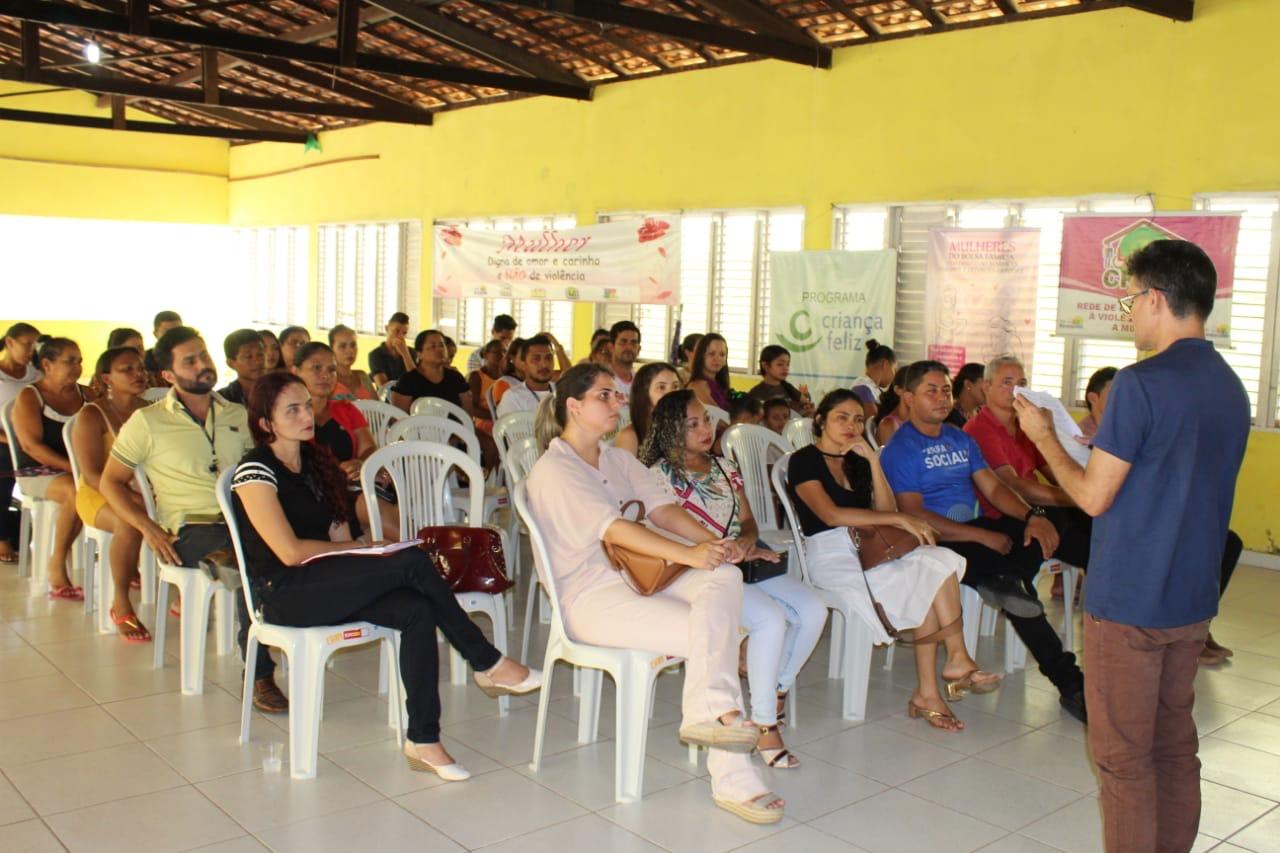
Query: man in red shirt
[{"x": 1014, "y": 459}]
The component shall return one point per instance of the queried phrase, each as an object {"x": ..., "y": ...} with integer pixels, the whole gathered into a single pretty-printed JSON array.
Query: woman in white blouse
[{"x": 576, "y": 491}]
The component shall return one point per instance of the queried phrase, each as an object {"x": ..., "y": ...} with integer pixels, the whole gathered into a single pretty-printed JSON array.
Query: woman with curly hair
[
  {"x": 291, "y": 507},
  {"x": 653, "y": 382},
  {"x": 783, "y": 617}
]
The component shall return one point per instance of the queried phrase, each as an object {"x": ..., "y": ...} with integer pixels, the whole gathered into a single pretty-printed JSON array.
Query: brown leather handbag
[
  {"x": 877, "y": 544},
  {"x": 643, "y": 573},
  {"x": 470, "y": 559}
]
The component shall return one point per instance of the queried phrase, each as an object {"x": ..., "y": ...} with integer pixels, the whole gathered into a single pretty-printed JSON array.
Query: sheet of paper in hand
[{"x": 1065, "y": 425}]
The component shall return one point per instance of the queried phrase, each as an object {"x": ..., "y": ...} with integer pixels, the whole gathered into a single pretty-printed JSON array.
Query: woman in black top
[
  {"x": 291, "y": 506},
  {"x": 434, "y": 378}
]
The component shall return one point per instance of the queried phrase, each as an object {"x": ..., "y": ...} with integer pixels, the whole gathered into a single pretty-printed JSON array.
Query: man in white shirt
[
  {"x": 538, "y": 365},
  {"x": 504, "y": 329},
  {"x": 626, "y": 349}
]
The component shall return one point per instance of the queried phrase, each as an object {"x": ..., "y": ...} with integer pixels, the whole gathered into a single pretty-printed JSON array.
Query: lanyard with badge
[{"x": 209, "y": 434}]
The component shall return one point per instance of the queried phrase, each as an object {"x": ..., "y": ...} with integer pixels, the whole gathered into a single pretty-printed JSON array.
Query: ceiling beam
[
  {"x": 348, "y": 32},
  {"x": 924, "y": 7},
  {"x": 151, "y": 91},
  {"x": 683, "y": 29},
  {"x": 327, "y": 82},
  {"x": 30, "y": 49},
  {"x": 209, "y": 74},
  {"x": 226, "y": 39},
  {"x": 139, "y": 12},
  {"x": 761, "y": 19},
  {"x": 1178, "y": 10},
  {"x": 1008, "y": 7},
  {"x": 473, "y": 41},
  {"x": 38, "y": 117},
  {"x": 863, "y": 21},
  {"x": 118, "y": 119}
]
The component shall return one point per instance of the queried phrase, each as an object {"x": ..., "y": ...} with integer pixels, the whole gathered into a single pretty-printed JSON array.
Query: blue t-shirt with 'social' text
[
  {"x": 1181, "y": 421},
  {"x": 939, "y": 468}
]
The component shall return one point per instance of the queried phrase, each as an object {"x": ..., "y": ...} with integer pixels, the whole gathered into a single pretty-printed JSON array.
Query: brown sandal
[
  {"x": 947, "y": 722},
  {"x": 780, "y": 758}
]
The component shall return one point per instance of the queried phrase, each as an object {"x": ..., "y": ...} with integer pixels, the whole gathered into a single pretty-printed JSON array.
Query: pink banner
[{"x": 1095, "y": 250}]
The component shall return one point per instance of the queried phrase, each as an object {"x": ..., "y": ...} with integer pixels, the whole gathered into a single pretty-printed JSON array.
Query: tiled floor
[{"x": 98, "y": 751}]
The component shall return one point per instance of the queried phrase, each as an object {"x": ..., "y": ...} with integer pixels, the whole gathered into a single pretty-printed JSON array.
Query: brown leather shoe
[{"x": 267, "y": 697}]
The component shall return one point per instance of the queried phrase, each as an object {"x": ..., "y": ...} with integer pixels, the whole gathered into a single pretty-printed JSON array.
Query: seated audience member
[
  {"x": 123, "y": 379},
  {"x": 512, "y": 371},
  {"x": 969, "y": 394},
  {"x": 654, "y": 381},
  {"x": 164, "y": 321},
  {"x": 291, "y": 505},
  {"x": 937, "y": 473},
  {"x": 537, "y": 367},
  {"x": 775, "y": 366},
  {"x": 709, "y": 375},
  {"x": 1095, "y": 397},
  {"x": 247, "y": 356},
  {"x": 40, "y": 410},
  {"x": 492, "y": 357},
  {"x": 1013, "y": 458},
  {"x": 502, "y": 330},
  {"x": 18, "y": 369},
  {"x": 745, "y": 409},
  {"x": 782, "y": 616},
  {"x": 432, "y": 378},
  {"x": 353, "y": 384},
  {"x": 450, "y": 351},
  {"x": 837, "y": 484},
  {"x": 893, "y": 410},
  {"x": 576, "y": 491},
  {"x": 392, "y": 358},
  {"x": 125, "y": 337},
  {"x": 596, "y": 337},
  {"x": 880, "y": 366},
  {"x": 341, "y": 427},
  {"x": 625, "y": 337},
  {"x": 601, "y": 353},
  {"x": 271, "y": 345},
  {"x": 775, "y": 416},
  {"x": 562, "y": 358},
  {"x": 182, "y": 442},
  {"x": 291, "y": 338},
  {"x": 687, "y": 346}
]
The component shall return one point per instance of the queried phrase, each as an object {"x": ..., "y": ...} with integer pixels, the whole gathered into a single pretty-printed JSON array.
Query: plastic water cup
[{"x": 271, "y": 762}]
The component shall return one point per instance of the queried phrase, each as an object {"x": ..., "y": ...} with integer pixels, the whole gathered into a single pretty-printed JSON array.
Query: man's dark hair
[
  {"x": 240, "y": 337},
  {"x": 422, "y": 338},
  {"x": 170, "y": 340},
  {"x": 620, "y": 327},
  {"x": 746, "y": 404},
  {"x": 773, "y": 403},
  {"x": 1182, "y": 271},
  {"x": 1099, "y": 380},
  {"x": 537, "y": 341},
  {"x": 165, "y": 317},
  {"x": 504, "y": 323},
  {"x": 917, "y": 370},
  {"x": 399, "y": 317}
]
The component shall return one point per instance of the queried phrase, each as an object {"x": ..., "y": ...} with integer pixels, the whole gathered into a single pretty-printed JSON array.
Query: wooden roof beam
[
  {"x": 682, "y": 29},
  {"x": 924, "y": 7},
  {"x": 117, "y": 122},
  {"x": 1178, "y": 10},
  {"x": 227, "y": 39},
  {"x": 327, "y": 82},
  {"x": 1008, "y": 7},
  {"x": 761, "y": 19}
]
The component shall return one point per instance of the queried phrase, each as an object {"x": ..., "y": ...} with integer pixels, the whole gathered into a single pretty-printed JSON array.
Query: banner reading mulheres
[
  {"x": 1096, "y": 248},
  {"x": 631, "y": 261},
  {"x": 980, "y": 294},
  {"x": 825, "y": 305}
]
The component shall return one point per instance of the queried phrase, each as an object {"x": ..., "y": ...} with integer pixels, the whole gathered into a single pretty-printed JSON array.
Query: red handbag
[{"x": 470, "y": 559}]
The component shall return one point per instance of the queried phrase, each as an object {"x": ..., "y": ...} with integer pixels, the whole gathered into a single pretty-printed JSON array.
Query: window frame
[
  {"x": 298, "y": 286},
  {"x": 408, "y": 264}
]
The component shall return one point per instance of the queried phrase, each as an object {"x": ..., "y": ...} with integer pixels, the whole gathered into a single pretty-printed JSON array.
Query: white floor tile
[
  {"x": 29, "y": 836},
  {"x": 1240, "y": 767},
  {"x": 13, "y": 807},
  {"x": 509, "y": 739},
  {"x": 981, "y": 730},
  {"x": 1224, "y": 811},
  {"x": 24, "y": 662},
  {"x": 354, "y": 722},
  {"x": 40, "y": 695},
  {"x": 880, "y": 753},
  {"x": 381, "y": 826},
  {"x": 382, "y": 766},
  {"x": 111, "y": 684},
  {"x": 490, "y": 808},
  {"x": 1058, "y": 760},
  {"x": 259, "y": 801},
  {"x": 172, "y": 713},
  {"x": 178, "y": 819},
  {"x": 92, "y": 777},
  {"x": 800, "y": 838},
  {"x": 60, "y": 733},
  {"x": 1261, "y": 836},
  {"x": 206, "y": 754},
  {"x": 685, "y": 818},
  {"x": 818, "y": 787},
  {"x": 1259, "y": 731},
  {"x": 991, "y": 793},
  {"x": 1075, "y": 829},
  {"x": 242, "y": 844},
  {"x": 586, "y": 775},
  {"x": 1017, "y": 844},
  {"x": 1233, "y": 688},
  {"x": 876, "y": 824},
  {"x": 588, "y": 832}
]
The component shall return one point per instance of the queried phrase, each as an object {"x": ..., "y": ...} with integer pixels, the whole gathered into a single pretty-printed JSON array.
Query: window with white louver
[{"x": 367, "y": 272}]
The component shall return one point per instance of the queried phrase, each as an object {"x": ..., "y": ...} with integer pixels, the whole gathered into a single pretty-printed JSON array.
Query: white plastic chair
[
  {"x": 439, "y": 408},
  {"x": 748, "y": 447},
  {"x": 384, "y": 393},
  {"x": 420, "y": 471},
  {"x": 799, "y": 432},
  {"x": 154, "y": 395},
  {"x": 93, "y": 547},
  {"x": 440, "y": 430},
  {"x": 198, "y": 591},
  {"x": 519, "y": 462},
  {"x": 37, "y": 520},
  {"x": 633, "y": 671},
  {"x": 851, "y": 639},
  {"x": 380, "y": 416},
  {"x": 1015, "y": 651},
  {"x": 307, "y": 651},
  {"x": 509, "y": 429},
  {"x": 718, "y": 416},
  {"x": 870, "y": 432}
]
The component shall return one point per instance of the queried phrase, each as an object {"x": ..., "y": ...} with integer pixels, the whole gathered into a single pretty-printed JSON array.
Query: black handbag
[{"x": 757, "y": 569}]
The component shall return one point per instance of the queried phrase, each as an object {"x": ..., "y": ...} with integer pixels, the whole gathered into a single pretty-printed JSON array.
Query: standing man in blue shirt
[{"x": 1160, "y": 483}]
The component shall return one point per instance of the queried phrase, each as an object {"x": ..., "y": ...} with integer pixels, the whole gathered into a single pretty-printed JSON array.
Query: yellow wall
[{"x": 1113, "y": 101}]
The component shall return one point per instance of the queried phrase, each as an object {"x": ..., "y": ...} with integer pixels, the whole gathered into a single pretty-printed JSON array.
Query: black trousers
[
  {"x": 402, "y": 591},
  {"x": 1022, "y": 562},
  {"x": 9, "y": 518},
  {"x": 1230, "y": 556}
]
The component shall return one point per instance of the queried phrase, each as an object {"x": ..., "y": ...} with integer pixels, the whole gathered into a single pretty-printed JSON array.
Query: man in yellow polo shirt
[{"x": 183, "y": 442}]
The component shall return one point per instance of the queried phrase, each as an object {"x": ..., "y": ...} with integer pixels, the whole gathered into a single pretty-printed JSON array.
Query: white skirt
[{"x": 905, "y": 587}]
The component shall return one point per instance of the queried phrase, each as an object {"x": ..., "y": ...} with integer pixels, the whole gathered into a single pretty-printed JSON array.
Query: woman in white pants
[
  {"x": 782, "y": 616},
  {"x": 576, "y": 492},
  {"x": 837, "y": 483}
]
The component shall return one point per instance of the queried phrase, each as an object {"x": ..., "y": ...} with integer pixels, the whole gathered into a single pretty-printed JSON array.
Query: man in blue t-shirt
[
  {"x": 936, "y": 472},
  {"x": 1160, "y": 483}
]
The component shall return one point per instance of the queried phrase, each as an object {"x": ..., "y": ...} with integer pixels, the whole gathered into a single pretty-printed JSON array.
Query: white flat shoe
[
  {"x": 492, "y": 689},
  {"x": 454, "y": 772}
]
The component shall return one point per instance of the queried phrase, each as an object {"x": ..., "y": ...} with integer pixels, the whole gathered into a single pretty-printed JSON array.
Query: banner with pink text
[
  {"x": 634, "y": 261},
  {"x": 980, "y": 294},
  {"x": 1096, "y": 248}
]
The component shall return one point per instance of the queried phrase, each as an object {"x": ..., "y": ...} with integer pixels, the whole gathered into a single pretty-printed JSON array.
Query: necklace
[{"x": 830, "y": 455}]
